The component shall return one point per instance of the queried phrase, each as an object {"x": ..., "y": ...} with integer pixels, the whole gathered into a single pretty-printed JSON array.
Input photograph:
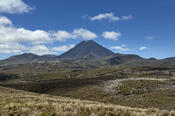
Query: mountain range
[{"x": 89, "y": 51}]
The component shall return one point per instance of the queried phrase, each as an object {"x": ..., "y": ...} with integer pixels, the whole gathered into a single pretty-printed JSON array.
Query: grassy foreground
[{"x": 19, "y": 103}]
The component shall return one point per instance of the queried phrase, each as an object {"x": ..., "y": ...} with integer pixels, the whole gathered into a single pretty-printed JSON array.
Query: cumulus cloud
[
  {"x": 121, "y": 48},
  {"x": 43, "y": 49},
  {"x": 14, "y": 6},
  {"x": 143, "y": 48},
  {"x": 16, "y": 48},
  {"x": 84, "y": 34},
  {"x": 77, "y": 33},
  {"x": 18, "y": 40},
  {"x": 11, "y": 34},
  {"x": 127, "y": 17},
  {"x": 11, "y": 48},
  {"x": 111, "y": 35},
  {"x": 5, "y": 21},
  {"x": 39, "y": 50},
  {"x": 63, "y": 35},
  {"x": 105, "y": 16}
]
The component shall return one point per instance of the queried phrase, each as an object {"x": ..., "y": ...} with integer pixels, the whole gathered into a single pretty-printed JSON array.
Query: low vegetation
[
  {"x": 142, "y": 90},
  {"x": 19, "y": 103}
]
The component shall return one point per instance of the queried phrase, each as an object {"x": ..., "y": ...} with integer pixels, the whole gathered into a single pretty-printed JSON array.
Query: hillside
[
  {"x": 27, "y": 58},
  {"x": 19, "y": 103}
]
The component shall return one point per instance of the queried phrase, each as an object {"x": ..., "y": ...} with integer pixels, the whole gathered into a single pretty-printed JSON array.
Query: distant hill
[
  {"x": 117, "y": 59},
  {"x": 87, "y": 49},
  {"x": 129, "y": 60},
  {"x": 27, "y": 58}
]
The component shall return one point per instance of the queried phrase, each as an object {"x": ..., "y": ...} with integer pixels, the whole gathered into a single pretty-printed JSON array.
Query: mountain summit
[{"x": 87, "y": 49}]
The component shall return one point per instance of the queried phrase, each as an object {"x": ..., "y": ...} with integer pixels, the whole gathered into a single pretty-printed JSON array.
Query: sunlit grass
[{"x": 14, "y": 102}]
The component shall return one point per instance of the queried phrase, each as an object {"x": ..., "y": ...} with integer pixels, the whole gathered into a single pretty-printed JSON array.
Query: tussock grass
[{"x": 19, "y": 103}]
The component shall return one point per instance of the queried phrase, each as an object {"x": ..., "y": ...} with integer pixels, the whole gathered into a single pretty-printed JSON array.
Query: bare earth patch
[{"x": 111, "y": 86}]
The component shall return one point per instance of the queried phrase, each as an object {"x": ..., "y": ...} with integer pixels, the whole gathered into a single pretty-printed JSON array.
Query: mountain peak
[
  {"x": 88, "y": 41},
  {"x": 87, "y": 49}
]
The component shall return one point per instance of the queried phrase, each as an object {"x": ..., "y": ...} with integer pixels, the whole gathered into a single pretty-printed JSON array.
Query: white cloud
[
  {"x": 5, "y": 21},
  {"x": 121, "y": 48},
  {"x": 127, "y": 17},
  {"x": 39, "y": 50},
  {"x": 63, "y": 48},
  {"x": 18, "y": 40},
  {"x": 84, "y": 34},
  {"x": 107, "y": 16},
  {"x": 11, "y": 48},
  {"x": 43, "y": 49},
  {"x": 111, "y": 35},
  {"x": 150, "y": 37},
  {"x": 143, "y": 48},
  {"x": 77, "y": 33},
  {"x": 16, "y": 48},
  {"x": 11, "y": 34},
  {"x": 63, "y": 35},
  {"x": 13, "y": 6}
]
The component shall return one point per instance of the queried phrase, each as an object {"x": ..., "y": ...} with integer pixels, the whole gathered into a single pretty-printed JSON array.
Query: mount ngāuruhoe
[{"x": 87, "y": 49}]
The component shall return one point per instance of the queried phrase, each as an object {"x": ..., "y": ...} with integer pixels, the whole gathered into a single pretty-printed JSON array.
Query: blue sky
[{"x": 143, "y": 27}]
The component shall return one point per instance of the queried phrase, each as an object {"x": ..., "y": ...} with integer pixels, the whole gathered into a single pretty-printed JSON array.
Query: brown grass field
[{"x": 19, "y": 103}]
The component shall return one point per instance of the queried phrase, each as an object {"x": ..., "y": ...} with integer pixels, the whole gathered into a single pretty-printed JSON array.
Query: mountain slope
[
  {"x": 122, "y": 59},
  {"x": 130, "y": 60},
  {"x": 87, "y": 49},
  {"x": 27, "y": 58}
]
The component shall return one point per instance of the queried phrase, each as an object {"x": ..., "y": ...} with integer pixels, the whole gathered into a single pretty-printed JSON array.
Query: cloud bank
[{"x": 18, "y": 40}]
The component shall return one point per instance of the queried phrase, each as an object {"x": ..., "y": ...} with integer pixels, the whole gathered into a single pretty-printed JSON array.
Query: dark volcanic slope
[
  {"x": 87, "y": 49},
  {"x": 118, "y": 59}
]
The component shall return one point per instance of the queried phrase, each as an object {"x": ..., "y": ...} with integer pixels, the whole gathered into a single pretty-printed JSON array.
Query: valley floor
[
  {"x": 131, "y": 92},
  {"x": 19, "y": 103}
]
